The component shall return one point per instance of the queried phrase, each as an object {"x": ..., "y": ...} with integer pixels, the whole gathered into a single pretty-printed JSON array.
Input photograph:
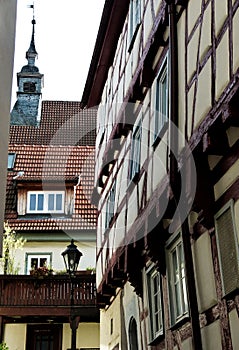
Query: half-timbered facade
[{"x": 165, "y": 76}]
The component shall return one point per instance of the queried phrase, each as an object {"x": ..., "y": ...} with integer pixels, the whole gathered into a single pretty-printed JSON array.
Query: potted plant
[{"x": 41, "y": 271}]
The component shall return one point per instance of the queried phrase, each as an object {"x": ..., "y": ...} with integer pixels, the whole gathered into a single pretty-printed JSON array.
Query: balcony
[{"x": 28, "y": 296}]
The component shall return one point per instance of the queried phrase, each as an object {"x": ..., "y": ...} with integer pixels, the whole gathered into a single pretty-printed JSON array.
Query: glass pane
[
  {"x": 59, "y": 202},
  {"x": 51, "y": 202},
  {"x": 43, "y": 262},
  {"x": 32, "y": 202},
  {"x": 175, "y": 266},
  {"x": 38, "y": 342},
  {"x": 164, "y": 99},
  {"x": 40, "y": 201},
  {"x": 34, "y": 263},
  {"x": 11, "y": 158},
  {"x": 178, "y": 299}
]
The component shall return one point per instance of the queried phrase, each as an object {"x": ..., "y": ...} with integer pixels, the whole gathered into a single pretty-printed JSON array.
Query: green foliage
[
  {"x": 3, "y": 346},
  {"x": 11, "y": 243},
  {"x": 90, "y": 268}
]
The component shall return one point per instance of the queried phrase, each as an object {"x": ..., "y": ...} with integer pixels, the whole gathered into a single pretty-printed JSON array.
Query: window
[
  {"x": 177, "y": 280},
  {"x": 45, "y": 202},
  {"x": 33, "y": 261},
  {"x": 161, "y": 101},
  {"x": 29, "y": 87},
  {"x": 134, "y": 19},
  {"x": 135, "y": 154},
  {"x": 227, "y": 242},
  {"x": 111, "y": 326},
  {"x": 11, "y": 160},
  {"x": 155, "y": 303},
  {"x": 110, "y": 206}
]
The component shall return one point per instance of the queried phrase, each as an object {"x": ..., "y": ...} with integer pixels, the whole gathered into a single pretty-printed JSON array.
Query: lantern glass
[{"x": 71, "y": 258}]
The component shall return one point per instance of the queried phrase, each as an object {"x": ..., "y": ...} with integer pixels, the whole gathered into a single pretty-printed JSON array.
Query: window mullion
[{"x": 45, "y": 201}]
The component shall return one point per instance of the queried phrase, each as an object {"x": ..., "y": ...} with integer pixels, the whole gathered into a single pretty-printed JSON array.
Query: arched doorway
[{"x": 133, "y": 335}]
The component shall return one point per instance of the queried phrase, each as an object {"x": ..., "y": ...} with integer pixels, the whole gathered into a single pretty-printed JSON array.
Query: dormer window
[
  {"x": 29, "y": 87},
  {"x": 49, "y": 202}
]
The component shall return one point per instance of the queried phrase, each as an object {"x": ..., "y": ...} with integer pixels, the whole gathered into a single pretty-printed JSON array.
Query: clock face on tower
[{"x": 29, "y": 87}]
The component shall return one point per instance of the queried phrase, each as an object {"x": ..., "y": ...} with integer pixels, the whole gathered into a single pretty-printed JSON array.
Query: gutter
[{"x": 112, "y": 21}]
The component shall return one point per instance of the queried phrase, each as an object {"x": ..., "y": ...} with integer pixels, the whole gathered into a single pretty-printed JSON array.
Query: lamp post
[{"x": 71, "y": 258}]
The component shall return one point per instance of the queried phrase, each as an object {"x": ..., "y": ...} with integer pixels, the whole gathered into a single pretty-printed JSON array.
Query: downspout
[
  {"x": 173, "y": 98},
  {"x": 174, "y": 182}
]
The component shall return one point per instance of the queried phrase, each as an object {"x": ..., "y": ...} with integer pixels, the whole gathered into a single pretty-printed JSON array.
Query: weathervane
[{"x": 33, "y": 9}]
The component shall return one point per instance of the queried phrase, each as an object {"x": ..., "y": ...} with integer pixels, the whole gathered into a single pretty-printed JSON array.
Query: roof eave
[{"x": 112, "y": 21}]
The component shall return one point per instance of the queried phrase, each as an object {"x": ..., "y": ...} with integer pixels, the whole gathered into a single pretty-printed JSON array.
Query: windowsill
[
  {"x": 37, "y": 216},
  {"x": 178, "y": 323},
  {"x": 157, "y": 339},
  {"x": 231, "y": 294},
  {"x": 160, "y": 135}
]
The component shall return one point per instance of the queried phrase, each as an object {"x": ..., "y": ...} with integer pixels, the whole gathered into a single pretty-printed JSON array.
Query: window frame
[
  {"x": 29, "y": 86},
  {"x": 155, "y": 311},
  {"x": 10, "y": 164},
  {"x": 135, "y": 153},
  {"x": 178, "y": 298},
  {"x": 45, "y": 209},
  {"x": 161, "y": 117},
  {"x": 134, "y": 20},
  {"x": 110, "y": 206},
  {"x": 33, "y": 255}
]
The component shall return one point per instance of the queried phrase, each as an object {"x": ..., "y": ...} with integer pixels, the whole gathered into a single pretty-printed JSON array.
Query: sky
[{"x": 65, "y": 35}]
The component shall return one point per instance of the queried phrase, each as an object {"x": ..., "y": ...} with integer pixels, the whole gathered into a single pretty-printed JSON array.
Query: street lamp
[{"x": 71, "y": 258}]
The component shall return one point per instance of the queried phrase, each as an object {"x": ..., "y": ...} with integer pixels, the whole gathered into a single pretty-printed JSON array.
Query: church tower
[{"x": 27, "y": 108}]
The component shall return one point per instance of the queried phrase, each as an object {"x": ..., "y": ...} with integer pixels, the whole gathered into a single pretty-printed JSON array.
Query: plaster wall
[
  {"x": 203, "y": 96},
  {"x": 221, "y": 14},
  {"x": 204, "y": 274},
  {"x": 235, "y": 41},
  {"x": 87, "y": 336},
  {"x": 110, "y": 325},
  {"x": 222, "y": 67},
  {"x": 211, "y": 336},
  {"x": 194, "y": 8},
  {"x": 227, "y": 180},
  {"x": 16, "y": 342},
  {"x": 56, "y": 248},
  {"x": 186, "y": 345},
  {"x": 234, "y": 325}
]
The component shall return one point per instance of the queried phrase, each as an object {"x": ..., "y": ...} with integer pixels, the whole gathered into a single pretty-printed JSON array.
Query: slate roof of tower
[
  {"x": 62, "y": 123},
  {"x": 54, "y": 153}
]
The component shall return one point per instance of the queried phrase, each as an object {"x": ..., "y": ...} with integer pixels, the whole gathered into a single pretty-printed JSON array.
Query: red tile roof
[
  {"x": 50, "y": 156},
  {"x": 62, "y": 123}
]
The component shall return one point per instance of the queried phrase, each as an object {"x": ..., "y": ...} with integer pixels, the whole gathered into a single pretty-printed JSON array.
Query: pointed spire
[
  {"x": 31, "y": 53},
  {"x": 27, "y": 108}
]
